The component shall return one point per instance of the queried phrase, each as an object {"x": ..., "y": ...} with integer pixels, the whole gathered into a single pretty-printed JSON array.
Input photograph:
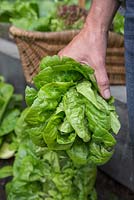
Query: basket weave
[
  {"x": 35, "y": 45},
  {"x": 115, "y": 62}
]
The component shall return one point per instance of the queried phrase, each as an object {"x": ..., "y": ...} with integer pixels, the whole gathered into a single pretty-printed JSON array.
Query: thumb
[{"x": 103, "y": 82}]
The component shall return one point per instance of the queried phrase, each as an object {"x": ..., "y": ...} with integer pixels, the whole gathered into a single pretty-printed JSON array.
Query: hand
[{"x": 89, "y": 47}]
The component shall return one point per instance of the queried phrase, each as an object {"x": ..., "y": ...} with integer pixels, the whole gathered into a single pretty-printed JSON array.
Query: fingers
[
  {"x": 103, "y": 82},
  {"x": 100, "y": 72}
]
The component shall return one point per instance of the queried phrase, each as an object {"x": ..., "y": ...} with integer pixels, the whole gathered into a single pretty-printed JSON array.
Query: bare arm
[
  {"x": 101, "y": 14},
  {"x": 89, "y": 46}
]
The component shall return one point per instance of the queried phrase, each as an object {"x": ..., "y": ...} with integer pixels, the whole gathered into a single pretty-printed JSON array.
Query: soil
[{"x": 108, "y": 189}]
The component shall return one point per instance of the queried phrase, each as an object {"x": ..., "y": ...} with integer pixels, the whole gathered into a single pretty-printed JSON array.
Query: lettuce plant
[{"x": 65, "y": 132}]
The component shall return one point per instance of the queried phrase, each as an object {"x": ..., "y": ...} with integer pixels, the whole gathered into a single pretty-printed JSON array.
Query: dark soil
[{"x": 108, "y": 189}]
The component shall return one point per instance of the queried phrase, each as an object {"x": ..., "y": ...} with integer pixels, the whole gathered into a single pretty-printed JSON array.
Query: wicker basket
[
  {"x": 35, "y": 45},
  {"x": 115, "y": 63}
]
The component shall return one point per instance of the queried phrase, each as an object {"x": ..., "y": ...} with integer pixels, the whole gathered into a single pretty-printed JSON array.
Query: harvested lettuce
[
  {"x": 40, "y": 173},
  {"x": 84, "y": 115},
  {"x": 65, "y": 132}
]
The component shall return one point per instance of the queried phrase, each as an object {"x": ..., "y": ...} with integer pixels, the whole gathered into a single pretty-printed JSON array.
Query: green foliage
[
  {"x": 18, "y": 9},
  {"x": 42, "y": 15},
  {"x": 6, "y": 171},
  {"x": 38, "y": 15},
  {"x": 40, "y": 173},
  {"x": 9, "y": 113},
  {"x": 118, "y": 23},
  {"x": 66, "y": 107},
  {"x": 63, "y": 135}
]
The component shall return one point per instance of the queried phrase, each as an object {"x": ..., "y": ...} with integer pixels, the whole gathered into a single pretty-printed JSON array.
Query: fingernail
[{"x": 107, "y": 93}]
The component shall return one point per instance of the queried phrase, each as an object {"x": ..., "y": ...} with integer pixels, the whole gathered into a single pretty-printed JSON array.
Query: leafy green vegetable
[
  {"x": 118, "y": 23},
  {"x": 20, "y": 128},
  {"x": 103, "y": 136},
  {"x": 9, "y": 122},
  {"x": 99, "y": 155},
  {"x": 75, "y": 113},
  {"x": 46, "y": 102},
  {"x": 6, "y": 91},
  {"x": 114, "y": 122},
  {"x": 10, "y": 105},
  {"x": 6, "y": 171},
  {"x": 63, "y": 135},
  {"x": 85, "y": 89},
  {"x": 49, "y": 15},
  {"x": 40, "y": 173},
  {"x": 42, "y": 15},
  {"x": 5, "y": 151},
  {"x": 78, "y": 153},
  {"x": 30, "y": 95},
  {"x": 6, "y": 11},
  {"x": 65, "y": 127},
  {"x": 18, "y": 10},
  {"x": 67, "y": 108}
]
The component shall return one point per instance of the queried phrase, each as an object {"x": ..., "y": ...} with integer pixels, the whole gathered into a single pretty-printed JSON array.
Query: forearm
[{"x": 101, "y": 14}]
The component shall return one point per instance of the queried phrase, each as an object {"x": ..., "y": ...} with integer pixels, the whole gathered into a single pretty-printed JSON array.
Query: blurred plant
[
  {"x": 37, "y": 15},
  {"x": 118, "y": 24},
  {"x": 10, "y": 109}
]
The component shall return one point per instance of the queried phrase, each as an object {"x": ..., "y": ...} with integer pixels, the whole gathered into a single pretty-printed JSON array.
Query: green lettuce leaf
[
  {"x": 102, "y": 136},
  {"x": 74, "y": 109},
  {"x": 6, "y": 151},
  {"x": 85, "y": 89},
  {"x": 49, "y": 96},
  {"x": 6, "y": 91},
  {"x": 6, "y": 171},
  {"x": 9, "y": 122},
  {"x": 99, "y": 155},
  {"x": 30, "y": 95},
  {"x": 65, "y": 127},
  {"x": 78, "y": 153},
  {"x": 115, "y": 124}
]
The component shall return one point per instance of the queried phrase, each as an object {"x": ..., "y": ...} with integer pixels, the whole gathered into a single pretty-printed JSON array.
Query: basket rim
[
  {"x": 15, "y": 31},
  {"x": 18, "y": 32}
]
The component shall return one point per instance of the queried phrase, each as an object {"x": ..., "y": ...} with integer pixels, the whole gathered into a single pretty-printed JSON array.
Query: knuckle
[{"x": 103, "y": 83}]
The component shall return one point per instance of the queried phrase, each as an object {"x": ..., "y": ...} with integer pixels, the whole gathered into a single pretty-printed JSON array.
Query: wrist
[
  {"x": 94, "y": 26},
  {"x": 90, "y": 28}
]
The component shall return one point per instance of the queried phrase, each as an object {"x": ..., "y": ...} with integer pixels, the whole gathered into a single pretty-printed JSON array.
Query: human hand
[{"x": 89, "y": 47}]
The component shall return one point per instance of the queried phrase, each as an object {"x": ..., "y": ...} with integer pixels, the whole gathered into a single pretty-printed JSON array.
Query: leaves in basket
[{"x": 42, "y": 15}]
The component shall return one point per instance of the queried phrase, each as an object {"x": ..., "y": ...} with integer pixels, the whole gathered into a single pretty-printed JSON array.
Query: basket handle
[{"x": 81, "y": 3}]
